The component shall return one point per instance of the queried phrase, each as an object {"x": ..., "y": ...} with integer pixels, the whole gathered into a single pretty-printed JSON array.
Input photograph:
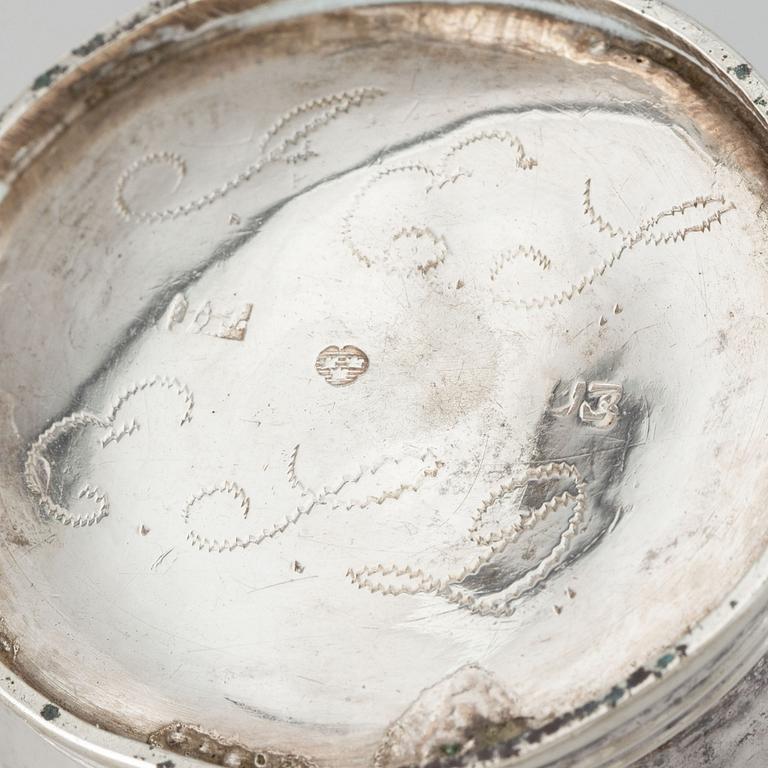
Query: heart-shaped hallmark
[{"x": 341, "y": 367}]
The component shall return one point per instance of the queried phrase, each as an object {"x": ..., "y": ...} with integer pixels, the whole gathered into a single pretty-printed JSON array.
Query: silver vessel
[{"x": 383, "y": 385}]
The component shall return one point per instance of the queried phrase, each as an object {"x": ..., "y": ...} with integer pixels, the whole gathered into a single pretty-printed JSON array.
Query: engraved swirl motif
[
  {"x": 336, "y": 495},
  {"x": 37, "y": 467},
  {"x": 437, "y": 249},
  {"x": 287, "y": 140},
  {"x": 432, "y": 249},
  {"x": 394, "y": 580},
  {"x": 487, "y": 534},
  {"x": 392, "y": 220},
  {"x": 330, "y": 496},
  {"x": 38, "y": 474}
]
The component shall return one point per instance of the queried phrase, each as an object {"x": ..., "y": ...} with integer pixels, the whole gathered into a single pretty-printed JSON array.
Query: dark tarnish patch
[
  {"x": 49, "y": 77},
  {"x": 18, "y": 538},
  {"x": 482, "y": 737},
  {"x": 101, "y": 39},
  {"x": 133, "y": 22},
  {"x": 666, "y": 660},
  {"x": 467, "y": 711},
  {"x": 189, "y": 741},
  {"x": 469, "y": 753},
  {"x": 485, "y": 734},
  {"x": 166, "y": 764},
  {"x": 601, "y": 457},
  {"x": 92, "y": 45},
  {"x": 639, "y": 676},
  {"x": 50, "y": 712}
]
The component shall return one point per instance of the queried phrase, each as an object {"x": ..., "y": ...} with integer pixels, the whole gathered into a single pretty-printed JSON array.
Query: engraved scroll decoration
[
  {"x": 288, "y": 140},
  {"x": 371, "y": 211},
  {"x": 491, "y": 530},
  {"x": 38, "y": 472},
  {"x": 489, "y": 534}
]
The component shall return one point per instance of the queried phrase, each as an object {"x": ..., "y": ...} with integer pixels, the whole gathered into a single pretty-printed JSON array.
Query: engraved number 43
[{"x": 597, "y": 403}]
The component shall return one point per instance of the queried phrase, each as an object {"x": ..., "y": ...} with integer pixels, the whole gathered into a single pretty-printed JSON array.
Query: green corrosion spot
[
  {"x": 742, "y": 71},
  {"x": 50, "y": 712},
  {"x": 450, "y": 749},
  {"x": 666, "y": 660},
  {"x": 48, "y": 77}
]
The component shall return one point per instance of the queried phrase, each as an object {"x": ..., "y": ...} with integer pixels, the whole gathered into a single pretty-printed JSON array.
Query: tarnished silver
[{"x": 382, "y": 385}]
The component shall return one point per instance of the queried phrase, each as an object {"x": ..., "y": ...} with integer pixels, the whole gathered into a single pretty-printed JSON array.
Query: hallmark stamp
[
  {"x": 229, "y": 323},
  {"x": 341, "y": 367}
]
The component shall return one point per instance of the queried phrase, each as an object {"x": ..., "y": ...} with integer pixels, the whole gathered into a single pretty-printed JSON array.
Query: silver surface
[
  {"x": 382, "y": 388},
  {"x": 34, "y": 33}
]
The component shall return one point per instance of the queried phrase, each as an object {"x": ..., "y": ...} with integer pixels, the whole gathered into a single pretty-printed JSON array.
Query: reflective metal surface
[{"x": 382, "y": 387}]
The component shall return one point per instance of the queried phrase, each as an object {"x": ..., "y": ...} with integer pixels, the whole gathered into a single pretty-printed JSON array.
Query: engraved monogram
[{"x": 596, "y": 403}]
